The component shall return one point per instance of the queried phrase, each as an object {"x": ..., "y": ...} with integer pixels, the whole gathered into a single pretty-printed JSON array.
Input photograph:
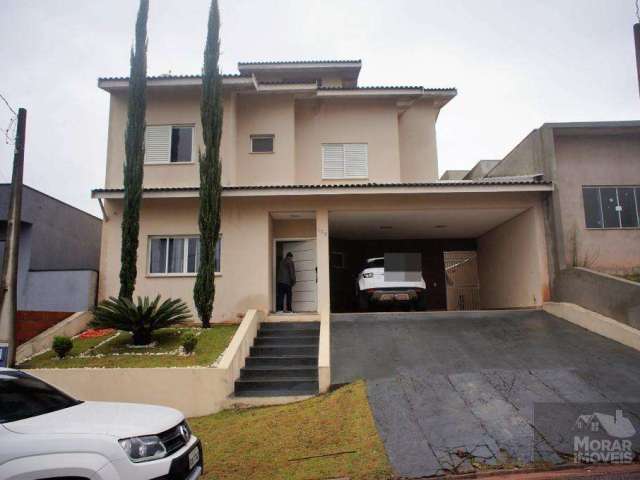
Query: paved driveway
[{"x": 452, "y": 389}]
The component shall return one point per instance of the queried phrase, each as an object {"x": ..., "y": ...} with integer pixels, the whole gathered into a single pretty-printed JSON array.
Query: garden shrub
[
  {"x": 140, "y": 318},
  {"x": 61, "y": 346},
  {"x": 189, "y": 342}
]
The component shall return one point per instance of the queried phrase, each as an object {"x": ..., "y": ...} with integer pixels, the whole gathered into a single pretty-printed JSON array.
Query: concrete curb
[{"x": 595, "y": 322}]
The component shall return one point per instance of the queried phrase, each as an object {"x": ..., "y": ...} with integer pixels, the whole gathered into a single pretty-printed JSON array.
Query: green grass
[
  {"x": 211, "y": 343},
  {"x": 276, "y": 442},
  {"x": 634, "y": 277}
]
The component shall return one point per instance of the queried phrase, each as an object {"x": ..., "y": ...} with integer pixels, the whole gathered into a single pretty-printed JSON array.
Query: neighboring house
[
  {"x": 594, "y": 211},
  {"x": 315, "y": 164},
  {"x": 58, "y": 262}
]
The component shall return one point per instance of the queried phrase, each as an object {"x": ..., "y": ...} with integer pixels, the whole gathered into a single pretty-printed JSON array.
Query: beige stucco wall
[
  {"x": 170, "y": 108},
  {"x": 304, "y": 228},
  {"x": 401, "y": 142},
  {"x": 512, "y": 263},
  {"x": 417, "y": 142},
  {"x": 247, "y": 241},
  {"x": 266, "y": 114},
  {"x": 374, "y": 122},
  {"x": 597, "y": 160}
]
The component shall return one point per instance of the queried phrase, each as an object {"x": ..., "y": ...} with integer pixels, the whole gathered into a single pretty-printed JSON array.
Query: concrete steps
[{"x": 282, "y": 362}]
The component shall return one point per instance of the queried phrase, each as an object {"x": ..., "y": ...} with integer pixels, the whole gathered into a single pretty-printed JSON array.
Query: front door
[{"x": 304, "y": 259}]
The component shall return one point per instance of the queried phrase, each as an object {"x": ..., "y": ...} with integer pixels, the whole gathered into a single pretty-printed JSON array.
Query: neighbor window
[
  {"x": 168, "y": 144},
  {"x": 177, "y": 255},
  {"x": 345, "y": 160},
  {"x": 262, "y": 143},
  {"x": 611, "y": 207}
]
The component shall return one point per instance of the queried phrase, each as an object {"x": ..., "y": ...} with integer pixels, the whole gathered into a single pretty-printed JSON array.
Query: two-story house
[{"x": 332, "y": 171}]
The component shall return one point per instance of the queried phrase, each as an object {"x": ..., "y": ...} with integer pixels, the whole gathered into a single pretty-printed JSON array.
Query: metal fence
[{"x": 461, "y": 275}]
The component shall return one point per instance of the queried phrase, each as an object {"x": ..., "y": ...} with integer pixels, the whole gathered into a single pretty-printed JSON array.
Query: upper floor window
[
  {"x": 345, "y": 160},
  {"x": 262, "y": 143},
  {"x": 168, "y": 144},
  {"x": 611, "y": 207},
  {"x": 177, "y": 255}
]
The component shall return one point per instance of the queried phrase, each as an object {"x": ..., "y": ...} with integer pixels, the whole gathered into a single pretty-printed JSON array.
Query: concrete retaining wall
[
  {"x": 69, "y": 327},
  {"x": 610, "y": 296},
  {"x": 596, "y": 323},
  {"x": 194, "y": 391}
]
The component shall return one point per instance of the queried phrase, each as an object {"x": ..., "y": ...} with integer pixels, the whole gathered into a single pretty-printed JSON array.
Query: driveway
[{"x": 450, "y": 390}]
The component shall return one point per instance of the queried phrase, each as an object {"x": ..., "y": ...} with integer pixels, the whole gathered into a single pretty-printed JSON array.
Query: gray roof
[{"x": 521, "y": 180}]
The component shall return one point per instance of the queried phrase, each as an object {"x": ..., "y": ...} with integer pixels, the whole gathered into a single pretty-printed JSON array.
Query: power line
[
  {"x": 14, "y": 112},
  {"x": 8, "y": 137}
]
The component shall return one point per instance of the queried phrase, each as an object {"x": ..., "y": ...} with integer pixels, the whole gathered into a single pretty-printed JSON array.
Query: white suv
[
  {"x": 373, "y": 287},
  {"x": 45, "y": 434}
]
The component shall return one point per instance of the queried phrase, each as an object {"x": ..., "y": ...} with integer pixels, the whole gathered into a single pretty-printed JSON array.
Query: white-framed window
[
  {"x": 611, "y": 206},
  {"x": 345, "y": 160},
  {"x": 262, "y": 143},
  {"x": 169, "y": 144},
  {"x": 177, "y": 255}
]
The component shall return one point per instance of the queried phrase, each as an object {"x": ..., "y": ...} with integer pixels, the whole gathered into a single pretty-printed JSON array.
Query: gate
[{"x": 461, "y": 276}]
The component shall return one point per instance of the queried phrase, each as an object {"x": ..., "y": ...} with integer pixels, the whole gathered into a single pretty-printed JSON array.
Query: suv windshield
[
  {"x": 23, "y": 396},
  {"x": 377, "y": 263}
]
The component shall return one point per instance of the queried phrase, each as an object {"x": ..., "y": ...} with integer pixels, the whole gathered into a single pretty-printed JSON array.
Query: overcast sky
[{"x": 516, "y": 64}]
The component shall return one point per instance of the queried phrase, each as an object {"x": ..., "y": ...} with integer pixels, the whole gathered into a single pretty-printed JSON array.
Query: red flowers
[{"x": 96, "y": 332}]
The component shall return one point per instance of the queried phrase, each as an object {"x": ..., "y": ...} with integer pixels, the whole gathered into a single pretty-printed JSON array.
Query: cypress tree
[
  {"x": 210, "y": 170},
  {"x": 134, "y": 155}
]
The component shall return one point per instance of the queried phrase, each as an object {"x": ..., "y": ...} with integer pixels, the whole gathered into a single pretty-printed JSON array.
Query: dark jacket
[{"x": 287, "y": 272}]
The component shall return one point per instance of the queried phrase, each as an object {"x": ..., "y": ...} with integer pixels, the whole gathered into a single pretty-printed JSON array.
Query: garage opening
[{"x": 471, "y": 258}]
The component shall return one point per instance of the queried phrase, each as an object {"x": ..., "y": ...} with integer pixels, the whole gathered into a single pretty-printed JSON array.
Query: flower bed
[{"x": 114, "y": 349}]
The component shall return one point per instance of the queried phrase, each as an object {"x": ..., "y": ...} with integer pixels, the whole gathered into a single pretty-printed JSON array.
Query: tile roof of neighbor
[{"x": 524, "y": 180}]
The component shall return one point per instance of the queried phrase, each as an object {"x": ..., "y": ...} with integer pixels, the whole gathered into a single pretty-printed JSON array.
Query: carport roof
[{"x": 524, "y": 183}]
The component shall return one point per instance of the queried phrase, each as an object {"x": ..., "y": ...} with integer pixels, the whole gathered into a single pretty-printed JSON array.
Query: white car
[
  {"x": 372, "y": 287},
  {"x": 45, "y": 434}
]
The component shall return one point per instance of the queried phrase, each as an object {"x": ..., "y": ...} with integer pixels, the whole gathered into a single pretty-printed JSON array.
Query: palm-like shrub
[
  {"x": 140, "y": 318},
  {"x": 62, "y": 345}
]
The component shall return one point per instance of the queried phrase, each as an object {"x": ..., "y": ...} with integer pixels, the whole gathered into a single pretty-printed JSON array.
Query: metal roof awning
[{"x": 503, "y": 184}]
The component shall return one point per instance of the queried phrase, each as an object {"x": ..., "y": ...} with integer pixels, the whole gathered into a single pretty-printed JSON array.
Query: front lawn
[
  {"x": 117, "y": 351},
  {"x": 328, "y": 436}
]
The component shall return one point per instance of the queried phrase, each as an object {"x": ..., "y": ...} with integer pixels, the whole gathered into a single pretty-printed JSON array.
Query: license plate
[
  {"x": 194, "y": 458},
  {"x": 402, "y": 297}
]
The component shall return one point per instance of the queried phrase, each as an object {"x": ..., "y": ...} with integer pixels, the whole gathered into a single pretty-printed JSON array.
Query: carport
[{"x": 473, "y": 256}]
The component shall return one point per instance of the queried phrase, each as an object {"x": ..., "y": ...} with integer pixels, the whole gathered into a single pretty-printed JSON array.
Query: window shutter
[
  {"x": 356, "y": 163},
  {"x": 332, "y": 160},
  {"x": 157, "y": 144}
]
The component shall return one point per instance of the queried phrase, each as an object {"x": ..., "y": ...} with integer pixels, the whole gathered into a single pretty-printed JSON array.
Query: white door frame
[{"x": 275, "y": 264}]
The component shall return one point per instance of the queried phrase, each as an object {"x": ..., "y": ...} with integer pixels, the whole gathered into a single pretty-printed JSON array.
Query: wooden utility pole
[
  {"x": 636, "y": 35},
  {"x": 9, "y": 283}
]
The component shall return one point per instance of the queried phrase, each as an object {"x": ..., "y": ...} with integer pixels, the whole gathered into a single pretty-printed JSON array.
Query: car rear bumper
[{"x": 393, "y": 296}]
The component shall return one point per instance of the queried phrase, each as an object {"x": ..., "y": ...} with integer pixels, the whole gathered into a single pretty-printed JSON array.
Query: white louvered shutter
[
  {"x": 356, "y": 161},
  {"x": 332, "y": 160},
  {"x": 157, "y": 144}
]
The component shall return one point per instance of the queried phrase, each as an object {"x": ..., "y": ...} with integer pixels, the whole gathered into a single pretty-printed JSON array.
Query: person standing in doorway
[{"x": 286, "y": 279}]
